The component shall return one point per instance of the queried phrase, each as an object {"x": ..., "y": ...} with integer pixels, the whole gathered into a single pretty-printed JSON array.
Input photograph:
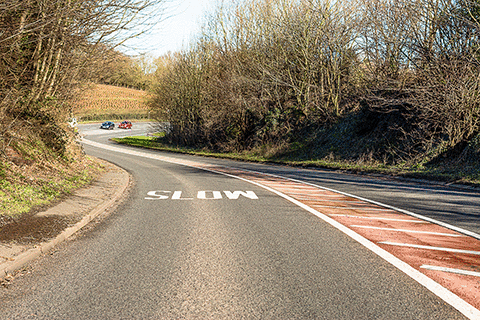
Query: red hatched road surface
[{"x": 448, "y": 257}]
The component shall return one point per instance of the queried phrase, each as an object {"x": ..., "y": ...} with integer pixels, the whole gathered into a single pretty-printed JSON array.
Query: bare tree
[
  {"x": 267, "y": 71},
  {"x": 48, "y": 46}
]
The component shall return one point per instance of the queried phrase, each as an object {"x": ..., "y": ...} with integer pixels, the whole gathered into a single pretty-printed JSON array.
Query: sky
[{"x": 183, "y": 21}]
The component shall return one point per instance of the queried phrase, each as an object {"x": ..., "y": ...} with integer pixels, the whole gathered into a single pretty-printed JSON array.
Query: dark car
[
  {"x": 125, "y": 125},
  {"x": 107, "y": 125}
]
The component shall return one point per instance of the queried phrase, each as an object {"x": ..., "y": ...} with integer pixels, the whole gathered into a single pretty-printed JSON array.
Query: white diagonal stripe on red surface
[
  {"x": 430, "y": 247},
  {"x": 451, "y": 270},
  {"x": 411, "y": 231}
]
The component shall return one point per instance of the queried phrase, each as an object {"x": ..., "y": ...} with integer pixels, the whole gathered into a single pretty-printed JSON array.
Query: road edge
[
  {"x": 443, "y": 293},
  {"x": 26, "y": 257}
]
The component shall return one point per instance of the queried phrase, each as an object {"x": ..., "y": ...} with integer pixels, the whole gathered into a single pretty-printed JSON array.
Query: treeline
[
  {"x": 126, "y": 71},
  {"x": 48, "y": 48},
  {"x": 270, "y": 72}
]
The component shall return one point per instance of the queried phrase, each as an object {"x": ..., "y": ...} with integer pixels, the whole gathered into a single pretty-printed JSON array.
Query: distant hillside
[{"x": 102, "y": 102}]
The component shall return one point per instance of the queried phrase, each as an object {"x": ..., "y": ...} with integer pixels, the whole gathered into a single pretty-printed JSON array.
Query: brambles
[
  {"x": 47, "y": 48},
  {"x": 391, "y": 81}
]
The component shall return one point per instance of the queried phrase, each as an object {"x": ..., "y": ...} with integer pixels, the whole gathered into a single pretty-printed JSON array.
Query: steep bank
[{"x": 33, "y": 173}]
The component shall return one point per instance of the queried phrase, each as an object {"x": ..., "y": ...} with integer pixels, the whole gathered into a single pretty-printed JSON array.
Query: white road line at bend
[
  {"x": 350, "y": 208},
  {"x": 409, "y": 231},
  {"x": 330, "y": 200},
  {"x": 409, "y": 213},
  {"x": 416, "y": 246},
  {"x": 443, "y": 293},
  {"x": 320, "y": 194},
  {"x": 451, "y": 270},
  {"x": 376, "y": 218}
]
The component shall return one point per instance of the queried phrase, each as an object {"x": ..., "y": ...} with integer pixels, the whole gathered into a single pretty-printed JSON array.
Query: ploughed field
[{"x": 100, "y": 102}]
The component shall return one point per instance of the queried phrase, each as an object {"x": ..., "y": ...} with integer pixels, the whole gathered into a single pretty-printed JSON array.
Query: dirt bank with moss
[{"x": 33, "y": 175}]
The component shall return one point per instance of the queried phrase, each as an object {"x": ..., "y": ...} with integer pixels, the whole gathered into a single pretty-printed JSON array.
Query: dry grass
[
  {"x": 99, "y": 102},
  {"x": 32, "y": 175}
]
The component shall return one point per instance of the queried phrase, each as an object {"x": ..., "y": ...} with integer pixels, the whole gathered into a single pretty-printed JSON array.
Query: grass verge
[
  {"x": 33, "y": 175},
  {"x": 437, "y": 172},
  {"x": 20, "y": 196}
]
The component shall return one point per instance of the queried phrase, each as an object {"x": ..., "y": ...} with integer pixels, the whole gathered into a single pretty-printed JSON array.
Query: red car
[{"x": 125, "y": 125}]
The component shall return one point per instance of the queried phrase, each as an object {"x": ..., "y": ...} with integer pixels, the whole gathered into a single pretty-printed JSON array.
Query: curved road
[{"x": 193, "y": 244}]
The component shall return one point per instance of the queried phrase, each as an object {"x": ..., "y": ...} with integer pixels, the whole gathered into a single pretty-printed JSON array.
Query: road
[{"x": 195, "y": 244}]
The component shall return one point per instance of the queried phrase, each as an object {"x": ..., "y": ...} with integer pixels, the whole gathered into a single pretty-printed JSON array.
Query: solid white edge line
[
  {"x": 451, "y": 270},
  {"x": 417, "y": 246},
  {"x": 443, "y": 224},
  {"x": 409, "y": 231},
  {"x": 443, "y": 293}
]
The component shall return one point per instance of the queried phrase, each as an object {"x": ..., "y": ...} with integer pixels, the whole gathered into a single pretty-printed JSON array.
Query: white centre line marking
[
  {"x": 376, "y": 218},
  {"x": 431, "y": 248},
  {"x": 461, "y": 305},
  {"x": 410, "y": 231},
  {"x": 458, "y": 271},
  {"x": 345, "y": 194}
]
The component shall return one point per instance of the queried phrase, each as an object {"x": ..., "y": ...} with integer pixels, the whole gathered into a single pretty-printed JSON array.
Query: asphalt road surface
[{"x": 184, "y": 245}]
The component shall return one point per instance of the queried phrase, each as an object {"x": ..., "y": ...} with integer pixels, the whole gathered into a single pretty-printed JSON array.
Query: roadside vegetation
[
  {"x": 439, "y": 173},
  {"x": 377, "y": 85},
  {"x": 48, "y": 51},
  {"x": 34, "y": 179}
]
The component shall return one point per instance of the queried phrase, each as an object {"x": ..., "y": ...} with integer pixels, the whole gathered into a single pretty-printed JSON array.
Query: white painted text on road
[{"x": 202, "y": 195}]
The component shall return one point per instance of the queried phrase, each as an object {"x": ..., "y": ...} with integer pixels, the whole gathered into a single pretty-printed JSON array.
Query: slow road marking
[
  {"x": 202, "y": 195},
  {"x": 457, "y": 289}
]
